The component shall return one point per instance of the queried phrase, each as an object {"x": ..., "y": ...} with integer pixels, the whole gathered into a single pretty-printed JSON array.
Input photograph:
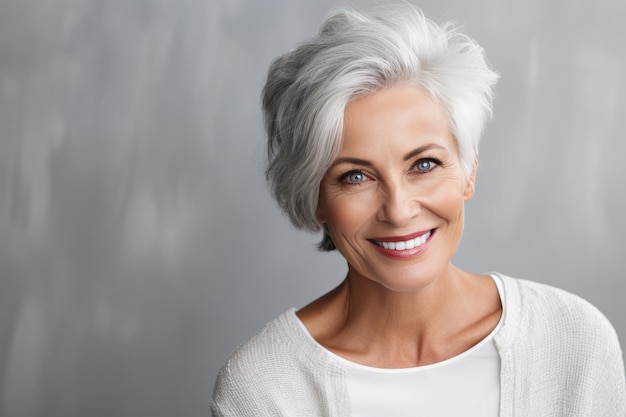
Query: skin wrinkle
[{"x": 391, "y": 312}]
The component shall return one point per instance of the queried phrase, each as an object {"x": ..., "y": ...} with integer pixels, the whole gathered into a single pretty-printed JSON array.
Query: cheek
[
  {"x": 346, "y": 214},
  {"x": 445, "y": 199}
]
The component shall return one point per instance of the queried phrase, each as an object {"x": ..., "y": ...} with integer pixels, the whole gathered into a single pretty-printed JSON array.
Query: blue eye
[
  {"x": 355, "y": 177},
  {"x": 425, "y": 165}
]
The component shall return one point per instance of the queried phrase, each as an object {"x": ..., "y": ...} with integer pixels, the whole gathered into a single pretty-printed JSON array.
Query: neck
[
  {"x": 419, "y": 319},
  {"x": 376, "y": 326}
]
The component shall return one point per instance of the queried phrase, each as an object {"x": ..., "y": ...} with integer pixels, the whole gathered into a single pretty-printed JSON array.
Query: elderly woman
[{"x": 373, "y": 131}]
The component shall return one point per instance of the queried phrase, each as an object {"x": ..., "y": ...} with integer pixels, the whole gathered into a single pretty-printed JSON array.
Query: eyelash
[
  {"x": 435, "y": 163},
  {"x": 343, "y": 178}
]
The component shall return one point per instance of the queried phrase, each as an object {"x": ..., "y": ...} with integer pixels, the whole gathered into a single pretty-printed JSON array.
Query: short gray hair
[{"x": 357, "y": 53}]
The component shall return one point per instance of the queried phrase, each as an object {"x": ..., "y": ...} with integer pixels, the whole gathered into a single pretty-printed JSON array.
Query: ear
[
  {"x": 470, "y": 185},
  {"x": 320, "y": 213}
]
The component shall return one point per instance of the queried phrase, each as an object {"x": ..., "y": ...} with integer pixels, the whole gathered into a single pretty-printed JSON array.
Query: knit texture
[{"x": 560, "y": 357}]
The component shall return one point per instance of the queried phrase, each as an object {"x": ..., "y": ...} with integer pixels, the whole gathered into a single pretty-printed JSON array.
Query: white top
[
  {"x": 559, "y": 357},
  {"x": 467, "y": 384}
]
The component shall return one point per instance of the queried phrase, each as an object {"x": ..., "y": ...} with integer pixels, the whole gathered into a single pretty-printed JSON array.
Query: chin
[{"x": 416, "y": 279}]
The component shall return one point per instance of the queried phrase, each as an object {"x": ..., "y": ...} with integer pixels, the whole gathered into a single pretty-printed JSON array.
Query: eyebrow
[{"x": 410, "y": 155}]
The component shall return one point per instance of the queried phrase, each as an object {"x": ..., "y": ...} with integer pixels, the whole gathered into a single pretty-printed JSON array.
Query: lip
[
  {"x": 406, "y": 253},
  {"x": 402, "y": 238}
]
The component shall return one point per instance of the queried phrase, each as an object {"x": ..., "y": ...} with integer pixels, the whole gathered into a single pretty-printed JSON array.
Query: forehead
[
  {"x": 411, "y": 93},
  {"x": 397, "y": 116}
]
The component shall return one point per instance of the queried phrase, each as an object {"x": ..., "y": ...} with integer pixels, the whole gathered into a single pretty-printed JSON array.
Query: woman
[{"x": 373, "y": 131}]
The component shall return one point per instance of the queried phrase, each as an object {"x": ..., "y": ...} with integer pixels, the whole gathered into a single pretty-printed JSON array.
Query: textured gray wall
[{"x": 138, "y": 244}]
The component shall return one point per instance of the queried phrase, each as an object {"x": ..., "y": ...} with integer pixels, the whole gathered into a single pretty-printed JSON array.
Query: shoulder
[
  {"x": 268, "y": 349},
  {"x": 561, "y": 349},
  {"x": 551, "y": 314},
  {"x": 558, "y": 305},
  {"x": 265, "y": 369}
]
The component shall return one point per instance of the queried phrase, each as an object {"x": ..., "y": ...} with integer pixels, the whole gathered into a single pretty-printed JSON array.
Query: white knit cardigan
[{"x": 560, "y": 357}]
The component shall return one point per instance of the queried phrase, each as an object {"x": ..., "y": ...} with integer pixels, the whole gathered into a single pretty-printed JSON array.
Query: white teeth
[{"x": 407, "y": 244}]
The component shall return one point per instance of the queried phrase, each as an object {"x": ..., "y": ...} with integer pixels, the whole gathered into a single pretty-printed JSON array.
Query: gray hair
[{"x": 355, "y": 54}]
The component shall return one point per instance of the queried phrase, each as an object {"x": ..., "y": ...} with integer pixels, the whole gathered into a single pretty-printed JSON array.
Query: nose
[{"x": 399, "y": 204}]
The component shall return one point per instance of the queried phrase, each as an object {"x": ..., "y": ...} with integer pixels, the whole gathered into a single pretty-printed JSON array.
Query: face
[{"x": 393, "y": 197}]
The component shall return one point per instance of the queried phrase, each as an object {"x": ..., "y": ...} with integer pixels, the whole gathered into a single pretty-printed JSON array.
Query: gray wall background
[{"x": 138, "y": 244}]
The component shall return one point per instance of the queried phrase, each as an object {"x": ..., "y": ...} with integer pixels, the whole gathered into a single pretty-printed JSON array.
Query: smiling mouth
[{"x": 406, "y": 244}]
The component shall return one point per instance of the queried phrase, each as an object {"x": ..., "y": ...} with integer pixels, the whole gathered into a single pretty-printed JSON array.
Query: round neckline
[{"x": 355, "y": 365}]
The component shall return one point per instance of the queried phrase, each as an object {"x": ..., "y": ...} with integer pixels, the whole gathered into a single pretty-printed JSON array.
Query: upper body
[
  {"x": 559, "y": 357},
  {"x": 373, "y": 129}
]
